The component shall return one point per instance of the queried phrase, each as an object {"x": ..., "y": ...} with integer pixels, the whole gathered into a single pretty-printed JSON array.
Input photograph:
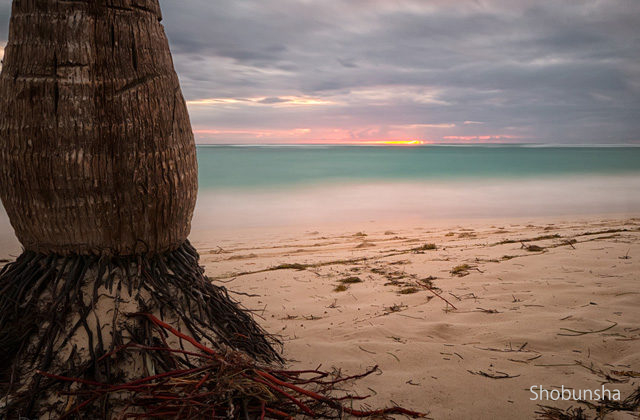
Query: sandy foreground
[{"x": 564, "y": 314}]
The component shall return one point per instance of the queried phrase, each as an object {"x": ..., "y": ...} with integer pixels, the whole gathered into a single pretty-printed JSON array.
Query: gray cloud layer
[{"x": 556, "y": 72}]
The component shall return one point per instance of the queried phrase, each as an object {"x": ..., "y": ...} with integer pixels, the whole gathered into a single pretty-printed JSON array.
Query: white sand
[{"x": 510, "y": 319}]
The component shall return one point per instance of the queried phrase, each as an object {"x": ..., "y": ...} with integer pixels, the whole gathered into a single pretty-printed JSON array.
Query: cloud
[
  {"x": 523, "y": 70},
  {"x": 528, "y": 70},
  {"x": 273, "y": 101}
]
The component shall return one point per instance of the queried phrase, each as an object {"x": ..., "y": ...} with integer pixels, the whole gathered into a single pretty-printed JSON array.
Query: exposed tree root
[
  {"x": 67, "y": 315},
  {"x": 219, "y": 386}
]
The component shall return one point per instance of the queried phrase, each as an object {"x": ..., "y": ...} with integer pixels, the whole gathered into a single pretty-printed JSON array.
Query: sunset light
[
  {"x": 395, "y": 142},
  {"x": 278, "y": 101}
]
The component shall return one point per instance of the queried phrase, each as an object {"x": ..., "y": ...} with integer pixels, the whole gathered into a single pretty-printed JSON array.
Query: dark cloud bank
[{"x": 553, "y": 72}]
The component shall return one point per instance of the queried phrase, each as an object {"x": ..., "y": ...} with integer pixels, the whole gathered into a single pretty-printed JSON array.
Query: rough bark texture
[
  {"x": 96, "y": 150},
  {"x": 98, "y": 175}
]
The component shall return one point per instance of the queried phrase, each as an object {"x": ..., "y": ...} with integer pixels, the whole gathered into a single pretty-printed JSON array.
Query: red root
[{"x": 228, "y": 384}]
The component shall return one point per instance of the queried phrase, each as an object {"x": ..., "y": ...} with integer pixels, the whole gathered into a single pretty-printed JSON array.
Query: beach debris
[
  {"x": 487, "y": 311},
  {"x": 532, "y": 248},
  {"x": 297, "y": 317},
  {"x": 211, "y": 384},
  {"x": 408, "y": 290},
  {"x": 350, "y": 280},
  {"x": 244, "y": 294},
  {"x": 367, "y": 351},
  {"x": 602, "y": 408},
  {"x": 624, "y": 257},
  {"x": 399, "y": 262},
  {"x": 576, "y": 333},
  {"x": 461, "y": 270},
  {"x": 394, "y": 356},
  {"x": 426, "y": 283},
  {"x": 346, "y": 282},
  {"x": 294, "y": 266},
  {"x": 507, "y": 350},
  {"x": 395, "y": 308},
  {"x": 602, "y": 373},
  {"x": 334, "y": 304},
  {"x": 425, "y": 247},
  {"x": 600, "y": 232},
  {"x": 497, "y": 375},
  {"x": 526, "y": 360},
  {"x": 629, "y": 373},
  {"x": 554, "y": 413},
  {"x": 220, "y": 250},
  {"x": 359, "y": 235},
  {"x": 537, "y": 238}
]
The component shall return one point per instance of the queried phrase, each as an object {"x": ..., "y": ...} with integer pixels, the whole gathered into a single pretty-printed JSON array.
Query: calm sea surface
[{"x": 256, "y": 167}]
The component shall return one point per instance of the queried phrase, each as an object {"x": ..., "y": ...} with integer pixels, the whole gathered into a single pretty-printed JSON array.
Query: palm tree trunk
[
  {"x": 98, "y": 175},
  {"x": 97, "y": 151}
]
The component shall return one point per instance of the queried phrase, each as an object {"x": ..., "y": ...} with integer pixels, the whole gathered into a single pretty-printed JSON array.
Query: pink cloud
[{"x": 481, "y": 138}]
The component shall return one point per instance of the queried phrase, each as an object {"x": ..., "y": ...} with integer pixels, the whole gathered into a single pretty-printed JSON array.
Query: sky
[{"x": 436, "y": 71}]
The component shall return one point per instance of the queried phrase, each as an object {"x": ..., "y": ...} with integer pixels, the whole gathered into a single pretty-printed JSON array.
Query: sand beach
[{"x": 462, "y": 330}]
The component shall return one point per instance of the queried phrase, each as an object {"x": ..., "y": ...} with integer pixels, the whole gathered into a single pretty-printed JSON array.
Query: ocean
[
  {"x": 260, "y": 167},
  {"x": 307, "y": 186}
]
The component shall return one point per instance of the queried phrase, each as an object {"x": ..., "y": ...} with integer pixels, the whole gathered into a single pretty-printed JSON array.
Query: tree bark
[
  {"x": 97, "y": 155},
  {"x": 98, "y": 175}
]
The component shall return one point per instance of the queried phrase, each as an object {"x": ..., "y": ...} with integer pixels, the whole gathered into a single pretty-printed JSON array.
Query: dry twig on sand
[
  {"x": 576, "y": 333},
  {"x": 429, "y": 287},
  {"x": 497, "y": 375}
]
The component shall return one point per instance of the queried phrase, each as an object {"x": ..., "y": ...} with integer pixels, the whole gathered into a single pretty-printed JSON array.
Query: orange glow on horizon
[
  {"x": 337, "y": 136},
  {"x": 393, "y": 142}
]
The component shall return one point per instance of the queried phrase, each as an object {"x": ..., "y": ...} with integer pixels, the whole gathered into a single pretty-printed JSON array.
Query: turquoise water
[{"x": 232, "y": 167}]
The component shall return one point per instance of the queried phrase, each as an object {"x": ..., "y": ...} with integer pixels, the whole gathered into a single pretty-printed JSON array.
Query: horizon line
[{"x": 425, "y": 144}]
